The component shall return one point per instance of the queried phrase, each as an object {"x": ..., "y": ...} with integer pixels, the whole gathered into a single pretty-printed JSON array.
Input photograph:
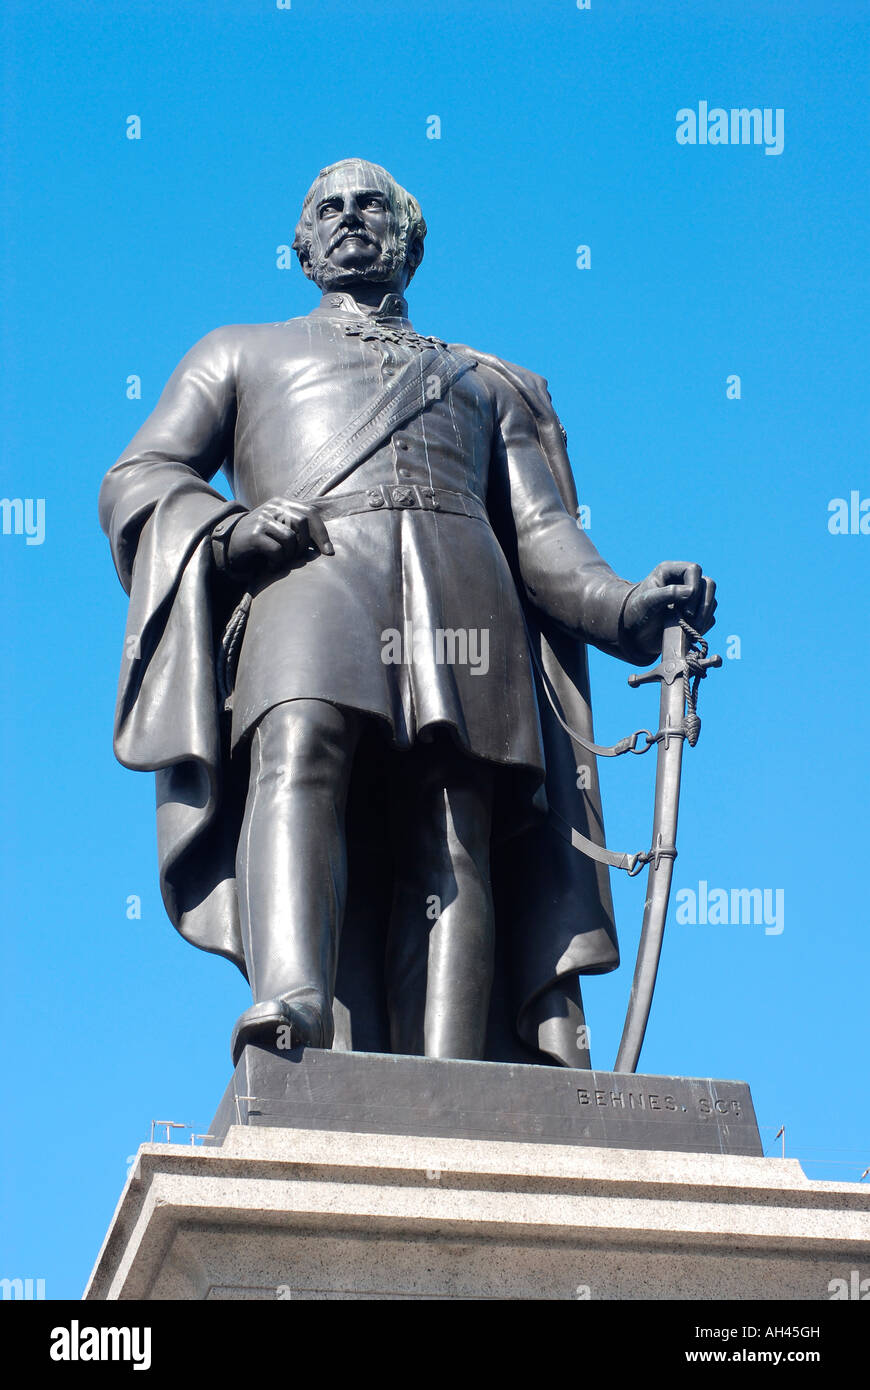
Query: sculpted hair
[{"x": 411, "y": 222}]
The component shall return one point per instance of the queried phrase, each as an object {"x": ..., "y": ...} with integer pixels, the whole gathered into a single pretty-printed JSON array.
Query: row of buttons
[{"x": 401, "y": 443}]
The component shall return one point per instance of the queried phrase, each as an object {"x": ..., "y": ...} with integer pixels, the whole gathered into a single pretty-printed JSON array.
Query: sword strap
[
  {"x": 600, "y": 750},
  {"x": 614, "y": 859}
]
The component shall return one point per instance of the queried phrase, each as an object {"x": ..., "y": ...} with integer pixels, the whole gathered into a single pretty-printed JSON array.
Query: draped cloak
[{"x": 554, "y": 913}]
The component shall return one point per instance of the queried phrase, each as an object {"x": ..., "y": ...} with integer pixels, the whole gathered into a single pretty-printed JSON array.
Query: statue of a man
[{"x": 375, "y": 822}]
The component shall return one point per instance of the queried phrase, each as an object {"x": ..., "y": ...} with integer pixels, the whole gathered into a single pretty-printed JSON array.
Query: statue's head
[{"x": 357, "y": 224}]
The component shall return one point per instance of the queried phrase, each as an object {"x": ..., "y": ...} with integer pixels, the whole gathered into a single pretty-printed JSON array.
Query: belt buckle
[{"x": 404, "y": 496}]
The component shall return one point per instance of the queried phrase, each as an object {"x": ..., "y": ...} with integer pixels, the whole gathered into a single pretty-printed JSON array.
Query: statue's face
[{"x": 356, "y": 229}]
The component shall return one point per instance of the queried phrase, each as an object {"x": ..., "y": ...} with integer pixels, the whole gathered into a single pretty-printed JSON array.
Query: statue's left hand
[{"x": 672, "y": 587}]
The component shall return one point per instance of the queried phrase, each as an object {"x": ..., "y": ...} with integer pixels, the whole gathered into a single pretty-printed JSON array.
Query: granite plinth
[
  {"x": 373, "y": 1093},
  {"x": 274, "y": 1214}
]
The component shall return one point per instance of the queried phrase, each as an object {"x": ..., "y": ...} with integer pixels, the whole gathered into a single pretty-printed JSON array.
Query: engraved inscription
[
  {"x": 708, "y": 1106},
  {"x": 627, "y": 1100},
  {"x": 640, "y": 1099}
]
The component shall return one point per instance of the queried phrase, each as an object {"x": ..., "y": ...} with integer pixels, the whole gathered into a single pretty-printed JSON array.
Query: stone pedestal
[
  {"x": 378, "y": 1093},
  {"x": 294, "y": 1213}
]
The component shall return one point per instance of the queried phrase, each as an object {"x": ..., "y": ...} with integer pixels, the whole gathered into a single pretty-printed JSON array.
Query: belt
[{"x": 403, "y": 497}]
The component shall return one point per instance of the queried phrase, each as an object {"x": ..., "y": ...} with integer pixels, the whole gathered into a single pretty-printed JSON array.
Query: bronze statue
[{"x": 357, "y": 683}]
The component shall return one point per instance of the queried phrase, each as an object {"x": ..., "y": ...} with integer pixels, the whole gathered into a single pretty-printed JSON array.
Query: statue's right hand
[{"x": 275, "y": 533}]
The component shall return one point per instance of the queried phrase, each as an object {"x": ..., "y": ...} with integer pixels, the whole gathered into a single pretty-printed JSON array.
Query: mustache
[{"x": 345, "y": 232}]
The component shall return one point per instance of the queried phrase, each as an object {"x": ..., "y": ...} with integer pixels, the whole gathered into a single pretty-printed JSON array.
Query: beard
[{"x": 326, "y": 275}]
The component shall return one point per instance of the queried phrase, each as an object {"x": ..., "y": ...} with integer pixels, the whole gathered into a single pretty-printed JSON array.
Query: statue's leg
[
  {"x": 292, "y": 862},
  {"x": 440, "y": 947}
]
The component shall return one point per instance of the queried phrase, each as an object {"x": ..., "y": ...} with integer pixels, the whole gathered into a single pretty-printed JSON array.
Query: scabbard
[{"x": 664, "y": 840}]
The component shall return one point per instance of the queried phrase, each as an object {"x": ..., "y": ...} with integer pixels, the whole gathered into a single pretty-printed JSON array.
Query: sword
[{"x": 674, "y": 670}]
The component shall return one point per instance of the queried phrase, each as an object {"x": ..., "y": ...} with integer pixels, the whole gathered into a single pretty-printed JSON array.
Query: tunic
[
  {"x": 515, "y": 574},
  {"x": 416, "y": 618}
]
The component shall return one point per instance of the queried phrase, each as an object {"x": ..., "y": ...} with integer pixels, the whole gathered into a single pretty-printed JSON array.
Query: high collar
[{"x": 392, "y": 306}]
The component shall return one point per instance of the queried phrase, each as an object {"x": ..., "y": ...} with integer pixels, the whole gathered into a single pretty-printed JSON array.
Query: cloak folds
[{"x": 554, "y": 913}]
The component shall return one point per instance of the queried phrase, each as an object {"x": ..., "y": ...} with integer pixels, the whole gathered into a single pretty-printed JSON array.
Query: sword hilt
[
  {"x": 666, "y": 672},
  {"x": 703, "y": 662},
  {"x": 673, "y": 662}
]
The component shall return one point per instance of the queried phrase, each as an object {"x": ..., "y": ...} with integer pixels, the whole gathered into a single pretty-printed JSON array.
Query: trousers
[{"x": 292, "y": 875}]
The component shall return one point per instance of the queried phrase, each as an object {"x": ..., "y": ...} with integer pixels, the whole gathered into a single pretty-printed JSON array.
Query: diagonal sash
[
  {"x": 424, "y": 379},
  {"x": 419, "y": 383}
]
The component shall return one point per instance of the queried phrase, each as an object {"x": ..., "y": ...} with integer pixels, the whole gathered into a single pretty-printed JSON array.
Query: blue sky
[{"x": 557, "y": 129}]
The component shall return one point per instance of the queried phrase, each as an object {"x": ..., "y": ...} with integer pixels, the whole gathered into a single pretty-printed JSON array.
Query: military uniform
[
  {"x": 419, "y": 556},
  {"x": 455, "y": 525}
]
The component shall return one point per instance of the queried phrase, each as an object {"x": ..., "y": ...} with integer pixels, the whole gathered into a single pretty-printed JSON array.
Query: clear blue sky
[{"x": 557, "y": 129}]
